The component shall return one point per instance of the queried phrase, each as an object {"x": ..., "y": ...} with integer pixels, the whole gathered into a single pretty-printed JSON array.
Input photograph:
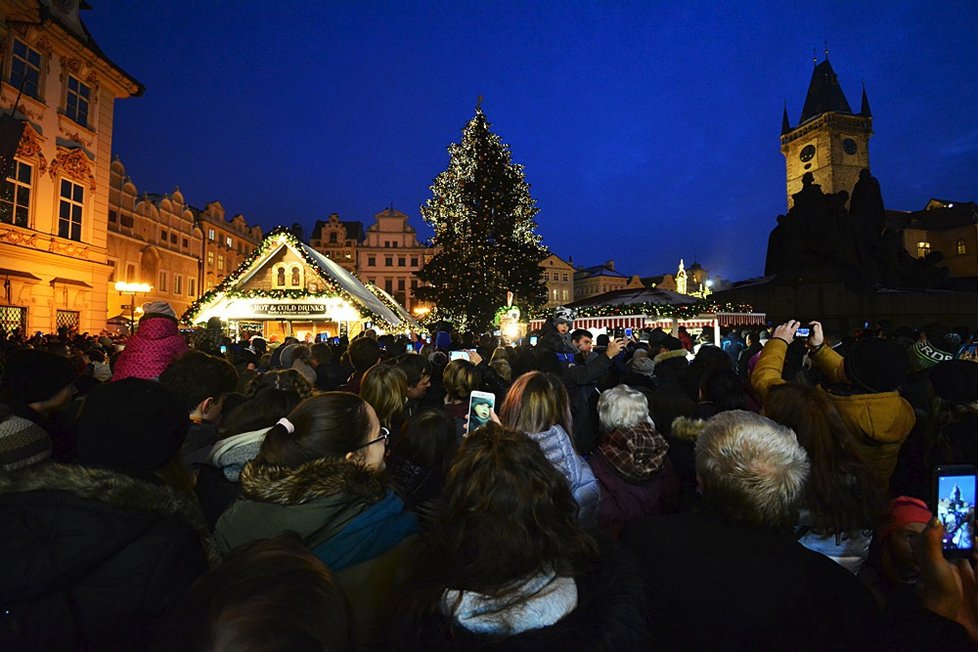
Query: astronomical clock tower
[{"x": 830, "y": 141}]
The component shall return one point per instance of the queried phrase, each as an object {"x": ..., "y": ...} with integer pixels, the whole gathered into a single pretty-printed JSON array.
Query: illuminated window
[
  {"x": 962, "y": 248},
  {"x": 25, "y": 68},
  {"x": 15, "y": 196},
  {"x": 565, "y": 294},
  {"x": 923, "y": 248},
  {"x": 210, "y": 258},
  {"x": 296, "y": 280},
  {"x": 280, "y": 277},
  {"x": 70, "y": 210},
  {"x": 230, "y": 242},
  {"x": 220, "y": 263},
  {"x": 77, "y": 100},
  {"x": 210, "y": 234}
]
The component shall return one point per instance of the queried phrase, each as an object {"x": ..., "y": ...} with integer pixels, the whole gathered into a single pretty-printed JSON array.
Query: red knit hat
[{"x": 904, "y": 510}]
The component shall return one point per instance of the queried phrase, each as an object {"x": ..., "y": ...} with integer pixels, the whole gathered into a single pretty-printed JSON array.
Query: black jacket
[{"x": 92, "y": 558}]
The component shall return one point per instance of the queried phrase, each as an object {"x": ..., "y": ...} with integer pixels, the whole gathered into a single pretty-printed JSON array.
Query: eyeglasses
[{"x": 384, "y": 434}]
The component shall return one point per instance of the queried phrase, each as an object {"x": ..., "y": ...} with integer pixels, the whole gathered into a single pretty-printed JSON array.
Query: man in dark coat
[{"x": 732, "y": 577}]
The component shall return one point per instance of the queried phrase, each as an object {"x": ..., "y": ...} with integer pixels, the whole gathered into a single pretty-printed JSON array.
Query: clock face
[
  {"x": 807, "y": 153},
  {"x": 849, "y": 146}
]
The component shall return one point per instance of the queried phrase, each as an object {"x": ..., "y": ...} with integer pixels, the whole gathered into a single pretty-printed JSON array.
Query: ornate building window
[
  {"x": 220, "y": 263},
  {"x": 961, "y": 247},
  {"x": 210, "y": 234},
  {"x": 15, "y": 195},
  {"x": 923, "y": 248},
  {"x": 70, "y": 208},
  {"x": 77, "y": 101},
  {"x": 210, "y": 258},
  {"x": 25, "y": 68}
]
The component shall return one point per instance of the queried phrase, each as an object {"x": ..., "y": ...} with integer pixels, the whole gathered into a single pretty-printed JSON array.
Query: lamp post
[{"x": 132, "y": 289}]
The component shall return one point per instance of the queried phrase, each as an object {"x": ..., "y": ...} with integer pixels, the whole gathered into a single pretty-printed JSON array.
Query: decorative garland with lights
[
  {"x": 385, "y": 299},
  {"x": 272, "y": 238},
  {"x": 684, "y": 311}
]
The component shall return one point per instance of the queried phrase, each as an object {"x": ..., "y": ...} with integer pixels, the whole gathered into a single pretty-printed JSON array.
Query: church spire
[
  {"x": 824, "y": 94},
  {"x": 785, "y": 123},
  {"x": 864, "y": 110}
]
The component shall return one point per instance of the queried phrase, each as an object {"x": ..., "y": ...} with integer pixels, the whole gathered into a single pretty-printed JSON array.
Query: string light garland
[
  {"x": 682, "y": 311},
  {"x": 483, "y": 216},
  {"x": 273, "y": 239}
]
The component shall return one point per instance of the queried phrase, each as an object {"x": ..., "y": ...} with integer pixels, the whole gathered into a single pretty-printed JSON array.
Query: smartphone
[
  {"x": 458, "y": 355},
  {"x": 336, "y": 340},
  {"x": 803, "y": 332},
  {"x": 628, "y": 333},
  {"x": 224, "y": 348},
  {"x": 480, "y": 405},
  {"x": 533, "y": 340},
  {"x": 954, "y": 506}
]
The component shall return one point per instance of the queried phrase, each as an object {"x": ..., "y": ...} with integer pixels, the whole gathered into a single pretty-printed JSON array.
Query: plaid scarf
[{"x": 637, "y": 453}]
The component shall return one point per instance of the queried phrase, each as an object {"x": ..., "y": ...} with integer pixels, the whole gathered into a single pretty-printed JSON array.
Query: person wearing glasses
[{"x": 318, "y": 473}]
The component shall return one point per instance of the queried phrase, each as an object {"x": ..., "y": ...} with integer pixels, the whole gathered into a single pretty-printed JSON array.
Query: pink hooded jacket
[{"x": 155, "y": 345}]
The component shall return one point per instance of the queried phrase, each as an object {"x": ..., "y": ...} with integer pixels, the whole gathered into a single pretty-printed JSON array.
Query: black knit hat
[
  {"x": 671, "y": 343},
  {"x": 876, "y": 365},
  {"x": 956, "y": 381},
  {"x": 133, "y": 426},
  {"x": 33, "y": 376}
]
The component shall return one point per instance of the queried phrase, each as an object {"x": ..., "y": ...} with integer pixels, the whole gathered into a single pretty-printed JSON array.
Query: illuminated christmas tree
[{"x": 482, "y": 214}]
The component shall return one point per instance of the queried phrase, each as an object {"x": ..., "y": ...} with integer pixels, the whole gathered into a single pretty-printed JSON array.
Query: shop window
[
  {"x": 12, "y": 317},
  {"x": 68, "y": 319}
]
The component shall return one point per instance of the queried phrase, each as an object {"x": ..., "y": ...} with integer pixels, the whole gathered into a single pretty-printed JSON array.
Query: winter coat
[
  {"x": 155, "y": 345},
  {"x": 93, "y": 558},
  {"x": 349, "y": 520},
  {"x": 624, "y": 501},
  {"x": 556, "y": 445},
  {"x": 883, "y": 419},
  {"x": 610, "y": 615}
]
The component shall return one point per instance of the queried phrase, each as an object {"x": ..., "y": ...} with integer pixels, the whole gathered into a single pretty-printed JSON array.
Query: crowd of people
[{"x": 179, "y": 489}]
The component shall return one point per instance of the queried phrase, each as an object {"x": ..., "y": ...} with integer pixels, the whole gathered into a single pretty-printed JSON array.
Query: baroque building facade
[
  {"x": 391, "y": 256},
  {"x": 226, "y": 243},
  {"x": 339, "y": 240},
  {"x": 558, "y": 275},
  {"x": 152, "y": 239},
  {"x": 54, "y": 195}
]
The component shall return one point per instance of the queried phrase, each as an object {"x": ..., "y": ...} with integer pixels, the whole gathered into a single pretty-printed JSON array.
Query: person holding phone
[{"x": 863, "y": 386}]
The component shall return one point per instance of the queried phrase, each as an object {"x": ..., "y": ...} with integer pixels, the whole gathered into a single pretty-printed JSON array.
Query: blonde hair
[
  {"x": 384, "y": 387},
  {"x": 460, "y": 378},
  {"x": 536, "y": 402},
  {"x": 503, "y": 368}
]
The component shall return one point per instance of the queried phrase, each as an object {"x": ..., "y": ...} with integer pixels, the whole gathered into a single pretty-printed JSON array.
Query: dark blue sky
[{"x": 648, "y": 130}]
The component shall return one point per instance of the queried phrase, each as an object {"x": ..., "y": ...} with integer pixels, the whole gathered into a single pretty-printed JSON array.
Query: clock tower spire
[{"x": 830, "y": 141}]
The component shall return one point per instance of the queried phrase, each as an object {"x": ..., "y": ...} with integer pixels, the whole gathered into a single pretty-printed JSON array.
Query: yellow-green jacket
[{"x": 884, "y": 420}]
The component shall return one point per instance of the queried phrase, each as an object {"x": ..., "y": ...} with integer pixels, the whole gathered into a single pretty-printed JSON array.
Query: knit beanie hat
[
  {"x": 876, "y": 365},
  {"x": 904, "y": 510},
  {"x": 956, "y": 381},
  {"x": 563, "y": 315},
  {"x": 927, "y": 353},
  {"x": 22, "y": 442},
  {"x": 644, "y": 365},
  {"x": 158, "y": 308},
  {"x": 34, "y": 375},
  {"x": 132, "y": 426}
]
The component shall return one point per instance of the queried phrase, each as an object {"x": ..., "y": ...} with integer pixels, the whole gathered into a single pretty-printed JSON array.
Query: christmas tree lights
[{"x": 483, "y": 217}]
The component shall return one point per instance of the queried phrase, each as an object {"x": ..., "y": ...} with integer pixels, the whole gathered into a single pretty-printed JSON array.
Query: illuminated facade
[
  {"x": 830, "y": 141},
  {"x": 598, "y": 279},
  {"x": 339, "y": 240},
  {"x": 226, "y": 243},
  {"x": 54, "y": 203},
  {"x": 391, "y": 257},
  {"x": 946, "y": 227},
  {"x": 153, "y": 239},
  {"x": 558, "y": 275}
]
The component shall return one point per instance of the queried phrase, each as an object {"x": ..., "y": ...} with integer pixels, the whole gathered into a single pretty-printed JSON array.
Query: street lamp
[{"x": 133, "y": 289}]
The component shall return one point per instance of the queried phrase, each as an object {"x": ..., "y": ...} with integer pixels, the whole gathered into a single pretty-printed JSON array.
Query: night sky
[{"x": 648, "y": 131}]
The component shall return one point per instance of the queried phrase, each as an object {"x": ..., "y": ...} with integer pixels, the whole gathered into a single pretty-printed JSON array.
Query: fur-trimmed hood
[
  {"x": 322, "y": 477},
  {"x": 669, "y": 355},
  {"x": 114, "y": 491},
  {"x": 687, "y": 428}
]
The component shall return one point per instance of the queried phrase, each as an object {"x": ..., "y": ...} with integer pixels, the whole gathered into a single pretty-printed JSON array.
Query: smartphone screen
[
  {"x": 224, "y": 348},
  {"x": 955, "y": 502},
  {"x": 533, "y": 340},
  {"x": 628, "y": 332},
  {"x": 480, "y": 405},
  {"x": 803, "y": 332},
  {"x": 458, "y": 355}
]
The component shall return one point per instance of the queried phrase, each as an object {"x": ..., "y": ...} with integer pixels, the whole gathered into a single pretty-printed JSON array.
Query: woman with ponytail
[{"x": 318, "y": 474}]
